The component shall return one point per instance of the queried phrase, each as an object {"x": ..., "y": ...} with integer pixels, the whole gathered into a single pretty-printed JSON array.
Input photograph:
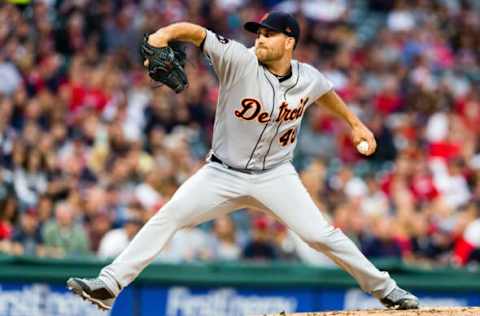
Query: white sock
[{"x": 110, "y": 282}]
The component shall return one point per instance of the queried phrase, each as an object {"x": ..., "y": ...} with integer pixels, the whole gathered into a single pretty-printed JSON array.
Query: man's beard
[{"x": 266, "y": 55}]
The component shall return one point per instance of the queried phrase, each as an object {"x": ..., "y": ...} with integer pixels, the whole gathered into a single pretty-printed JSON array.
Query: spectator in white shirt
[{"x": 116, "y": 240}]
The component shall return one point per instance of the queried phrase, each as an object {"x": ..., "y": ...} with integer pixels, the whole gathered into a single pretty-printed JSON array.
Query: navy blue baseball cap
[{"x": 276, "y": 21}]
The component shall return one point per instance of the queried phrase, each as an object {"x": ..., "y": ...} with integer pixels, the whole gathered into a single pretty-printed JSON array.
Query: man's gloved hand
[{"x": 166, "y": 64}]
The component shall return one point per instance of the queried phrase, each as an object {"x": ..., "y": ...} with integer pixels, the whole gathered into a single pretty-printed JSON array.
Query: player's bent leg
[
  {"x": 286, "y": 197},
  {"x": 207, "y": 194}
]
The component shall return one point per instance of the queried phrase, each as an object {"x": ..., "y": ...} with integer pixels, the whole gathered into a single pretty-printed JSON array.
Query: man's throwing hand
[{"x": 361, "y": 133}]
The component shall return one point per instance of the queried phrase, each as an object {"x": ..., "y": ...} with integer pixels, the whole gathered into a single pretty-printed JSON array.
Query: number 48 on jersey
[{"x": 288, "y": 137}]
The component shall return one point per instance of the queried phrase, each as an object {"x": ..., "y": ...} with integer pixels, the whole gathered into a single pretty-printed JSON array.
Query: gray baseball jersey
[{"x": 258, "y": 117}]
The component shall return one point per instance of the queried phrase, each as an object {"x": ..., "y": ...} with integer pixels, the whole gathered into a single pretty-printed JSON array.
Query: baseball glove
[{"x": 166, "y": 64}]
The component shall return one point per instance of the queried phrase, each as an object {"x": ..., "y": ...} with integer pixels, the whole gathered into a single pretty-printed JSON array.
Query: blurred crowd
[{"x": 90, "y": 149}]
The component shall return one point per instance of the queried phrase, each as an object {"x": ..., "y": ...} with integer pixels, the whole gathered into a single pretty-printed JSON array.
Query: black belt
[{"x": 214, "y": 158}]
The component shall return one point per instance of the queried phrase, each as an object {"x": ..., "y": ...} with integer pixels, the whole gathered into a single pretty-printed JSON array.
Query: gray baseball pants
[{"x": 215, "y": 190}]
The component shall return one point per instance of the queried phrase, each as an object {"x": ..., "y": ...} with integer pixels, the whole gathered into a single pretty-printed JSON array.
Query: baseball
[{"x": 362, "y": 147}]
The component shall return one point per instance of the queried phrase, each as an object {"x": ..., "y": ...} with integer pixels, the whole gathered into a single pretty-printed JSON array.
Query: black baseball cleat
[
  {"x": 400, "y": 299},
  {"x": 93, "y": 290}
]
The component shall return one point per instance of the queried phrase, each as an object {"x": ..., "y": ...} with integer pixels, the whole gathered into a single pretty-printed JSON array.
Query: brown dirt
[{"x": 440, "y": 311}]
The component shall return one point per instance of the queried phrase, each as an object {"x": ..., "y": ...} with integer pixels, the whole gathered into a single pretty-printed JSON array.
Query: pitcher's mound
[{"x": 440, "y": 311}]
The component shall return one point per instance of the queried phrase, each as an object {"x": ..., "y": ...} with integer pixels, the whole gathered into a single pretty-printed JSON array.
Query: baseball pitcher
[{"x": 264, "y": 94}]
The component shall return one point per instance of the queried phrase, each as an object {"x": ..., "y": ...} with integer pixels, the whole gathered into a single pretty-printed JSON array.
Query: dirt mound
[{"x": 443, "y": 311}]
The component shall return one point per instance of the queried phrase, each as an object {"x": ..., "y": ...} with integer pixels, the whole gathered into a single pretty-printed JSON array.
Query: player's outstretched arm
[
  {"x": 182, "y": 31},
  {"x": 332, "y": 101},
  {"x": 360, "y": 132}
]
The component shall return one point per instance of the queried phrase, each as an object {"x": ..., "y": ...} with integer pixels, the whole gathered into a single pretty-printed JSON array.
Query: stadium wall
[{"x": 36, "y": 286}]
